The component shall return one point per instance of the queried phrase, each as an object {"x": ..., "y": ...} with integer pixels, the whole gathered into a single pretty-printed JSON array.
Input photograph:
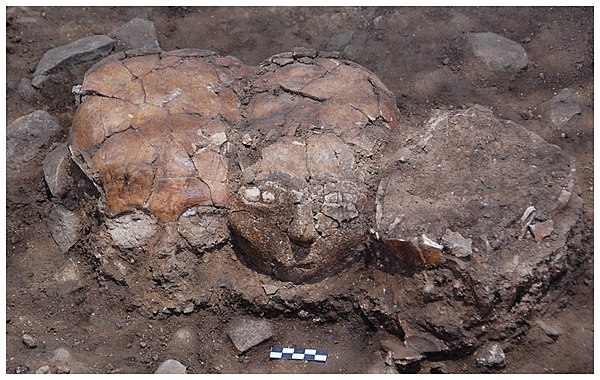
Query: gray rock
[
  {"x": 171, "y": 366},
  {"x": 27, "y": 135},
  {"x": 61, "y": 354},
  {"x": 136, "y": 34},
  {"x": 63, "y": 369},
  {"x": 246, "y": 333},
  {"x": 29, "y": 341},
  {"x": 542, "y": 230},
  {"x": 26, "y": 90},
  {"x": 27, "y": 20},
  {"x": 65, "y": 362},
  {"x": 65, "y": 226},
  {"x": 69, "y": 273},
  {"x": 561, "y": 108},
  {"x": 458, "y": 245},
  {"x": 56, "y": 170},
  {"x": 491, "y": 355},
  {"x": 184, "y": 340},
  {"x": 549, "y": 330},
  {"x": 22, "y": 368},
  {"x": 83, "y": 50},
  {"x": 131, "y": 230},
  {"x": 413, "y": 349},
  {"x": 497, "y": 52},
  {"x": 43, "y": 370},
  {"x": 270, "y": 289}
]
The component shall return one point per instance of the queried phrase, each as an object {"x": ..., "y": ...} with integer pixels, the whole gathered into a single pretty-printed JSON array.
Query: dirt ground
[{"x": 103, "y": 328}]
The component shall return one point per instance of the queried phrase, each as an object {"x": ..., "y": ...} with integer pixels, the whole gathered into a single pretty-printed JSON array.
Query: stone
[
  {"x": 131, "y": 230},
  {"x": 27, "y": 135},
  {"x": 171, "y": 366},
  {"x": 70, "y": 273},
  {"x": 83, "y": 50},
  {"x": 458, "y": 245},
  {"x": 136, "y": 34},
  {"x": 549, "y": 330},
  {"x": 184, "y": 340},
  {"x": 497, "y": 52},
  {"x": 29, "y": 341},
  {"x": 63, "y": 369},
  {"x": 26, "y": 90},
  {"x": 62, "y": 354},
  {"x": 300, "y": 52},
  {"x": 65, "y": 362},
  {"x": 56, "y": 166},
  {"x": 413, "y": 349},
  {"x": 428, "y": 84},
  {"x": 65, "y": 226},
  {"x": 247, "y": 139},
  {"x": 491, "y": 355},
  {"x": 270, "y": 289},
  {"x": 43, "y": 370},
  {"x": 246, "y": 332},
  {"x": 560, "y": 108},
  {"x": 542, "y": 230},
  {"x": 22, "y": 368}
]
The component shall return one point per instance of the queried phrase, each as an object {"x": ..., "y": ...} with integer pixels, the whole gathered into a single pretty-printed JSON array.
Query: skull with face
[{"x": 186, "y": 147}]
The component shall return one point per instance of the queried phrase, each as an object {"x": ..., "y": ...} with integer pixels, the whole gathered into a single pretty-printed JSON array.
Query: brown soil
[{"x": 103, "y": 326}]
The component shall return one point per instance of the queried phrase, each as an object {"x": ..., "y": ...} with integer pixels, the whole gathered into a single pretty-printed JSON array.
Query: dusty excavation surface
[{"x": 405, "y": 190}]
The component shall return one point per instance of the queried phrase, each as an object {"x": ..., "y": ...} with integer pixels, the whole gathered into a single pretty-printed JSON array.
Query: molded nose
[{"x": 302, "y": 229}]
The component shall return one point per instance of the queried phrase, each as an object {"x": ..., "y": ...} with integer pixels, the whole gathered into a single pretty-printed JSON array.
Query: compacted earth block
[{"x": 400, "y": 190}]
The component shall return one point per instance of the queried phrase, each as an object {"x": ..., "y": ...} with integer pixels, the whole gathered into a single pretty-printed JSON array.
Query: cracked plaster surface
[{"x": 156, "y": 130}]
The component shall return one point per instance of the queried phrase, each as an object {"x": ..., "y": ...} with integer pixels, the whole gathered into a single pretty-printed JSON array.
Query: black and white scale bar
[{"x": 298, "y": 354}]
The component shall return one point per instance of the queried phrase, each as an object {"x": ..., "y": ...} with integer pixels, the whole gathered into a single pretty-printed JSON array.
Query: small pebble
[
  {"x": 143, "y": 344},
  {"x": 63, "y": 369},
  {"x": 445, "y": 61},
  {"x": 29, "y": 341},
  {"x": 246, "y": 140},
  {"x": 43, "y": 370}
]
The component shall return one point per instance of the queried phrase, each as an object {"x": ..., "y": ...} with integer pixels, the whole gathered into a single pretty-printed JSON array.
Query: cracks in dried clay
[{"x": 303, "y": 94}]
